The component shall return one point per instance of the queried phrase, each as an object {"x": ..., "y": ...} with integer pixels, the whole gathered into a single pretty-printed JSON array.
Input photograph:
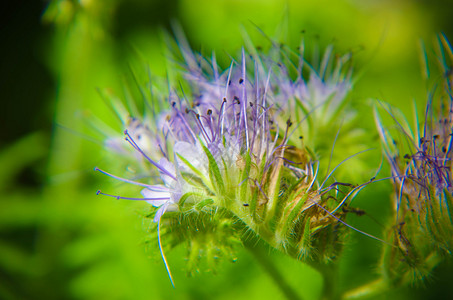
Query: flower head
[
  {"x": 421, "y": 166},
  {"x": 232, "y": 167}
]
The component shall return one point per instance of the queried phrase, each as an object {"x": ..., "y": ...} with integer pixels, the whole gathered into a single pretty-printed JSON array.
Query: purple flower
[
  {"x": 164, "y": 196},
  {"x": 230, "y": 157}
]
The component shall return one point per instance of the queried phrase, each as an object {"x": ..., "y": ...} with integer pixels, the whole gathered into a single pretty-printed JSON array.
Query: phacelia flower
[
  {"x": 421, "y": 166},
  {"x": 233, "y": 165}
]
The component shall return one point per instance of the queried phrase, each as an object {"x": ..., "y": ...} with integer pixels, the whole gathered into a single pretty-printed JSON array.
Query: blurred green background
[{"x": 59, "y": 241}]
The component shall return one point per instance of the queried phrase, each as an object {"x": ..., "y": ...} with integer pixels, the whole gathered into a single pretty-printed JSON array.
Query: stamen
[
  {"x": 162, "y": 169},
  {"x": 315, "y": 175},
  {"x": 131, "y": 198},
  {"x": 244, "y": 101},
  {"x": 343, "y": 161},
  {"x": 209, "y": 123},
  {"x": 264, "y": 141},
  {"x": 123, "y": 179},
  {"x": 352, "y": 227},
  {"x": 254, "y": 112},
  {"x": 200, "y": 125},
  {"x": 167, "y": 267},
  {"x": 288, "y": 160},
  {"x": 222, "y": 116},
  {"x": 183, "y": 119}
]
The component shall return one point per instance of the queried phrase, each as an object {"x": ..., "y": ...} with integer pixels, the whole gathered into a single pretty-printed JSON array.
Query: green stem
[
  {"x": 329, "y": 273},
  {"x": 273, "y": 272},
  {"x": 370, "y": 289}
]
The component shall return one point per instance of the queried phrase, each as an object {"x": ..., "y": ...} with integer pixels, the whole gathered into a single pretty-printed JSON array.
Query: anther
[{"x": 241, "y": 80}]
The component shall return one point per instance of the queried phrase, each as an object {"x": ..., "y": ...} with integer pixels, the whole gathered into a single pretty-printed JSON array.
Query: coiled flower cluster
[
  {"x": 421, "y": 166},
  {"x": 233, "y": 163}
]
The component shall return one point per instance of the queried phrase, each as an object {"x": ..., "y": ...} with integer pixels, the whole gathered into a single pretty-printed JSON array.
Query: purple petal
[
  {"x": 160, "y": 197},
  {"x": 169, "y": 176}
]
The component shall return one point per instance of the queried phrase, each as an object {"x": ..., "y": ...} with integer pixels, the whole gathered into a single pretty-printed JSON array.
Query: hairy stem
[
  {"x": 273, "y": 272},
  {"x": 329, "y": 273}
]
